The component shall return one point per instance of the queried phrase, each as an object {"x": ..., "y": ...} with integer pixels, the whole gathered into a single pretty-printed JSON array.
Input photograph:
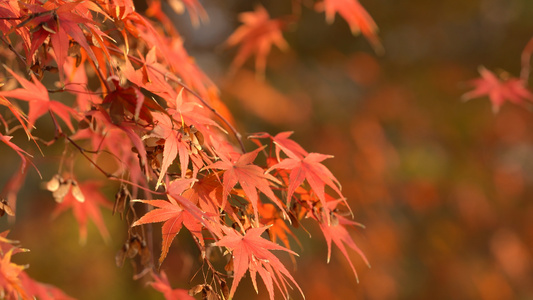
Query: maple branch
[
  {"x": 237, "y": 135},
  {"x": 19, "y": 56},
  {"x": 60, "y": 133},
  {"x": 65, "y": 89}
]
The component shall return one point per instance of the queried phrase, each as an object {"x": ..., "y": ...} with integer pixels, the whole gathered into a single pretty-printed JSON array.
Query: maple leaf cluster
[{"x": 119, "y": 86}]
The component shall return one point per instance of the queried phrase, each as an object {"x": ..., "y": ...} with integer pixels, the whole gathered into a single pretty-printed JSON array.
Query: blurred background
[{"x": 444, "y": 187}]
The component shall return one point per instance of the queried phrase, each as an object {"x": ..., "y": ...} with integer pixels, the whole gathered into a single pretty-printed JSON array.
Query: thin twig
[
  {"x": 60, "y": 133},
  {"x": 19, "y": 56}
]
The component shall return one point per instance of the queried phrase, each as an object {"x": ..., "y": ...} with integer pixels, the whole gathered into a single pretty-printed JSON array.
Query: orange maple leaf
[
  {"x": 176, "y": 213},
  {"x": 251, "y": 178},
  {"x": 309, "y": 168},
  {"x": 499, "y": 90},
  {"x": 270, "y": 216},
  {"x": 174, "y": 144},
  {"x": 336, "y": 231},
  {"x": 37, "y": 96},
  {"x": 59, "y": 20},
  {"x": 256, "y": 35},
  {"x": 283, "y": 143},
  {"x": 251, "y": 252},
  {"x": 175, "y": 218},
  {"x": 10, "y": 284}
]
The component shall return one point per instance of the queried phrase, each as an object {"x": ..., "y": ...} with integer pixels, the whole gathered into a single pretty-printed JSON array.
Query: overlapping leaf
[
  {"x": 174, "y": 216},
  {"x": 278, "y": 229},
  {"x": 174, "y": 144},
  {"x": 252, "y": 252},
  {"x": 251, "y": 178},
  {"x": 311, "y": 169},
  {"x": 37, "y": 96},
  {"x": 59, "y": 21}
]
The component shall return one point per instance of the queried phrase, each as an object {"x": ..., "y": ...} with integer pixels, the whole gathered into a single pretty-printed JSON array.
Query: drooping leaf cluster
[{"x": 118, "y": 85}]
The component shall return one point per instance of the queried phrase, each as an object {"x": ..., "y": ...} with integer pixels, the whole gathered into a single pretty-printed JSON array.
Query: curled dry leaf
[{"x": 121, "y": 199}]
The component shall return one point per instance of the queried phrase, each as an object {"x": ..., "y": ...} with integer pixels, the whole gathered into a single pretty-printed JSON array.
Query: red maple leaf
[
  {"x": 207, "y": 194},
  {"x": 151, "y": 76},
  {"x": 59, "y": 21},
  {"x": 336, "y": 231},
  {"x": 9, "y": 245},
  {"x": 278, "y": 228},
  {"x": 172, "y": 51},
  {"x": 9, "y": 11},
  {"x": 355, "y": 15},
  {"x": 251, "y": 252},
  {"x": 191, "y": 112},
  {"x": 87, "y": 209},
  {"x": 282, "y": 141},
  {"x": 175, "y": 217},
  {"x": 251, "y": 178},
  {"x": 37, "y": 96},
  {"x": 256, "y": 35},
  {"x": 161, "y": 284},
  {"x": 309, "y": 168},
  {"x": 499, "y": 90},
  {"x": 175, "y": 144}
]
